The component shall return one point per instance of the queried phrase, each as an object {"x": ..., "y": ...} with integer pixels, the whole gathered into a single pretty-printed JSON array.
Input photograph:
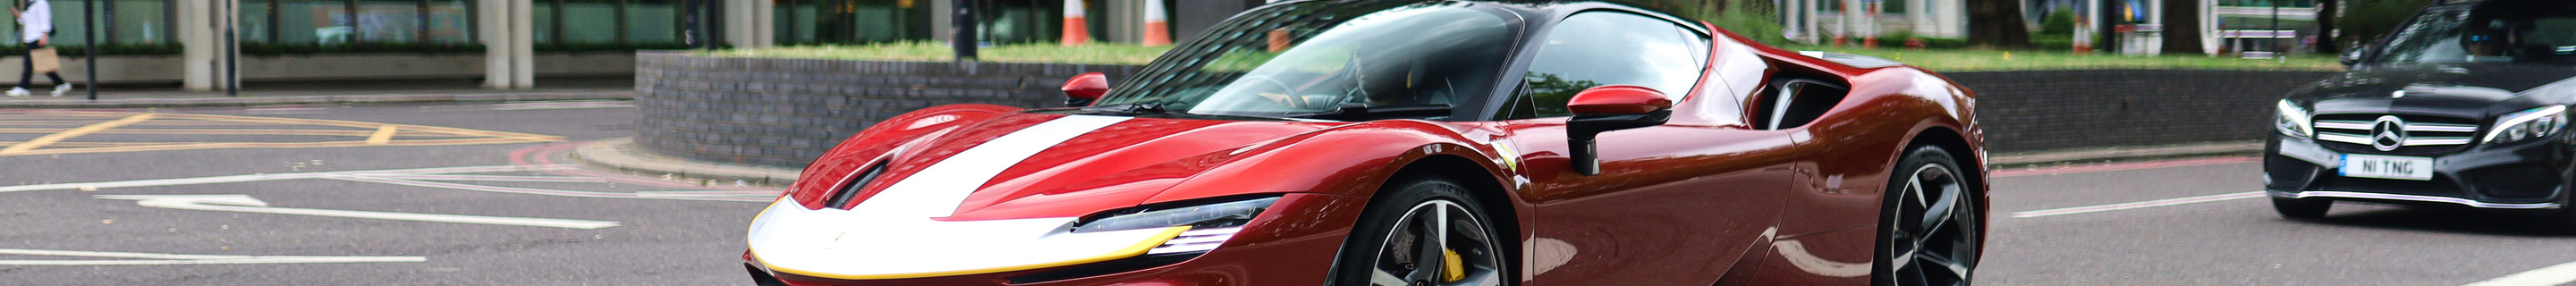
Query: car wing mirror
[
  {"x": 1084, "y": 89},
  {"x": 1610, "y": 108}
]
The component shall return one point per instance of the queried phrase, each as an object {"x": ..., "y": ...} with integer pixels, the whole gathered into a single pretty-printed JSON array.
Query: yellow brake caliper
[{"x": 1453, "y": 269}]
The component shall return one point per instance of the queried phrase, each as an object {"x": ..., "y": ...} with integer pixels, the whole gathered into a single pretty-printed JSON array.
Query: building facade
[{"x": 500, "y": 41}]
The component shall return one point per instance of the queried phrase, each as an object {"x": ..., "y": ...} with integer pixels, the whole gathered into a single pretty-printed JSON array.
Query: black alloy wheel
[
  {"x": 1930, "y": 227},
  {"x": 1427, "y": 231}
]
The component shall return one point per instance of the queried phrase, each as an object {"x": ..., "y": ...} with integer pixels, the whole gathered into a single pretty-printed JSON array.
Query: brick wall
[
  {"x": 786, "y": 112},
  {"x": 2042, "y": 110}
]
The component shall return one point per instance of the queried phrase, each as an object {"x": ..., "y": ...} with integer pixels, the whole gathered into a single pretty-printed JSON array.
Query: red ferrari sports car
[{"x": 1357, "y": 142}]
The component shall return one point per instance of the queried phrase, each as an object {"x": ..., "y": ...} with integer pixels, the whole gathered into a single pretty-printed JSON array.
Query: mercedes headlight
[
  {"x": 2527, "y": 124},
  {"x": 2293, "y": 121}
]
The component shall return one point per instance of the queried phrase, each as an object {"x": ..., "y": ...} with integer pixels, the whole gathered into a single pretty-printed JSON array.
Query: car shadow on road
[{"x": 2440, "y": 219}]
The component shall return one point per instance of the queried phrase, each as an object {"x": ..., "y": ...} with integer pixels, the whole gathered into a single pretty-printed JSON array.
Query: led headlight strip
[
  {"x": 2293, "y": 120},
  {"x": 1210, "y": 224},
  {"x": 2526, "y": 124}
]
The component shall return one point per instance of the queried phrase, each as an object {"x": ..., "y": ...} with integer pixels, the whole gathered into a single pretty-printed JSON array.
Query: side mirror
[
  {"x": 2353, "y": 55},
  {"x": 1610, "y": 108},
  {"x": 1085, "y": 88}
]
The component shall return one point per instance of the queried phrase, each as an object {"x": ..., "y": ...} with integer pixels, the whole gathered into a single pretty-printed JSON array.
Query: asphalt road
[
  {"x": 2234, "y": 238},
  {"x": 480, "y": 195},
  {"x": 656, "y": 240}
]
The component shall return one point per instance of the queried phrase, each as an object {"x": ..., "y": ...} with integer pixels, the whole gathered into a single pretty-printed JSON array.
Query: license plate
[{"x": 2387, "y": 167}]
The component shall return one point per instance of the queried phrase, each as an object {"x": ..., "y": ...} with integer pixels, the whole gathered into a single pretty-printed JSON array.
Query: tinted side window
[{"x": 1605, "y": 48}]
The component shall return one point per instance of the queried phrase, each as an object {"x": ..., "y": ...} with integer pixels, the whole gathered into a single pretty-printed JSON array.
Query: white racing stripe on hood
[
  {"x": 891, "y": 234},
  {"x": 938, "y": 190}
]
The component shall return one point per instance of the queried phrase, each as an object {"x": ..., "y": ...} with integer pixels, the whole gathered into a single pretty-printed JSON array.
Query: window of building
[
  {"x": 314, "y": 22},
  {"x": 389, "y": 21},
  {"x": 257, "y": 21},
  {"x": 449, "y": 21},
  {"x": 140, "y": 22},
  {"x": 653, "y": 21},
  {"x": 864, "y": 21},
  {"x": 586, "y": 21}
]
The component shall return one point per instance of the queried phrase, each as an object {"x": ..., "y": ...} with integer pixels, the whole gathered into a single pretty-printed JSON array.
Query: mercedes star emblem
[{"x": 2388, "y": 133}]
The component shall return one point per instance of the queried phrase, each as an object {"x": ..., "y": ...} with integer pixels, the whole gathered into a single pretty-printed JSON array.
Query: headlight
[
  {"x": 2293, "y": 121},
  {"x": 1210, "y": 224},
  {"x": 1198, "y": 216},
  {"x": 2527, "y": 124}
]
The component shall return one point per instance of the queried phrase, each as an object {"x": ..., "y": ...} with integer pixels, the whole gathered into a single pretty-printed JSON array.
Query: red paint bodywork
[
  {"x": 1088, "y": 85},
  {"x": 1618, "y": 99},
  {"x": 1704, "y": 199}
]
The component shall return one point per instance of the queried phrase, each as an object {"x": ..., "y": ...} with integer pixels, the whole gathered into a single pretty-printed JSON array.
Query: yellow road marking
[
  {"x": 74, "y": 132},
  {"x": 374, "y": 134},
  {"x": 308, "y": 132},
  {"x": 383, "y": 134},
  {"x": 90, "y": 144},
  {"x": 162, "y": 121},
  {"x": 270, "y": 145}
]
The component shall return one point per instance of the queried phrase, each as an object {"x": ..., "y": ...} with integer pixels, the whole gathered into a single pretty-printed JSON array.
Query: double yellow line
[{"x": 50, "y": 139}]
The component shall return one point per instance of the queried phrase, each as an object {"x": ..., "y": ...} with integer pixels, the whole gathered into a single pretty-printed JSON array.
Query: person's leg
[{"x": 27, "y": 73}]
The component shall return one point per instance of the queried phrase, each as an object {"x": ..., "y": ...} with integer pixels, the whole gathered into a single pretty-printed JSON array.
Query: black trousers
[{"x": 27, "y": 75}]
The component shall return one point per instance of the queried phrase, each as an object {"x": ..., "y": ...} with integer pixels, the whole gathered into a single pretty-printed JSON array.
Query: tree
[
  {"x": 2326, "y": 10},
  {"x": 1997, "y": 24},
  {"x": 2365, "y": 21},
  {"x": 2182, "y": 27}
]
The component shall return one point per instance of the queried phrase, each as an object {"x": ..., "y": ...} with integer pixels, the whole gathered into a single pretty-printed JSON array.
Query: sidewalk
[{"x": 337, "y": 92}]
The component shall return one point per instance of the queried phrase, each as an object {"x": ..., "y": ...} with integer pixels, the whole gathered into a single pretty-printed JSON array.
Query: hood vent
[{"x": 841, "y": 199}]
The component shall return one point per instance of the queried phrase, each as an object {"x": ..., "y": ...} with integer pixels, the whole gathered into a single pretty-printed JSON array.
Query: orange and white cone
[
  {"x": 1158, "y": 29},
  {"x": 1076, "y": 30}
]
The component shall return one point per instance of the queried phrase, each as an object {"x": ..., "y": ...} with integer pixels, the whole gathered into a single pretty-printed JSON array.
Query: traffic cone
[
  {"x": 1076, "y": 30},
  {"x": 1158, "y": 30}
]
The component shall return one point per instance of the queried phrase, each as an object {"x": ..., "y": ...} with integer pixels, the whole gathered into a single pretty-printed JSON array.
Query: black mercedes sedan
[{"x": 2464, "y": 105}]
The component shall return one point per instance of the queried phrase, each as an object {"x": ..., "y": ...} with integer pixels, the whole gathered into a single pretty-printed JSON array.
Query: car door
[{"x": 1675, "y": 204}]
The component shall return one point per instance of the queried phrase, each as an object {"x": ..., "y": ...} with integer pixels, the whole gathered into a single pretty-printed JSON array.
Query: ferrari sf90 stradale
[{"x": 1415, "y": 143}]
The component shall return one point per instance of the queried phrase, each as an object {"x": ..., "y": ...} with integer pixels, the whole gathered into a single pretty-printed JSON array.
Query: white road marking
[
  {"x": 285, "y": 110},
  {"x": 547, "y": 192},
  {"x": 2552, "y": 275},
  {"x": 244, "y": 203},
  {"x": 274, "y": 177},
  {"x": 187, "y": 259},
  {"x": 488, "y": 178},
  {"x": 563, "y": 105},
  {"x": 2138, "y": 205},
  {"x": 426, "y": 177}
]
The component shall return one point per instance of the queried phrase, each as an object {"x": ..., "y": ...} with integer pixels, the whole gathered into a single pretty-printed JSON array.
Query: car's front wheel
[
  {"x": 1929, "y": 227},
  {"x": 1424, "y": 231}
]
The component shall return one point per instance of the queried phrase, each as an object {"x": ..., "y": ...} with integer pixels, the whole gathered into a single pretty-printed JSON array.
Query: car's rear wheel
[
  {"x": 1929, "y": 227},
  {"x": 1425, "y": 231},
  {"x": 2301, "y": 208}
]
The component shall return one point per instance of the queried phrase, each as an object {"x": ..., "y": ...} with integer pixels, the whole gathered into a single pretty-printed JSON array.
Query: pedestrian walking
[{"x": 35, "y": 27}]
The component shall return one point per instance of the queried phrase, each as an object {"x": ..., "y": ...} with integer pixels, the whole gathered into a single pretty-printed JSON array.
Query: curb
[
  {"x": 2126, "y": 153},
  {"x": 622, "y": 155},
  {"x": 315, "y": 99}
]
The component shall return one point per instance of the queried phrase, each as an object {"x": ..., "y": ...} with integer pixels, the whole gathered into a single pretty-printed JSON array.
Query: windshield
[
  {"x": 2493, "y": 32},
  {"x": 1320, "y": 60}
]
